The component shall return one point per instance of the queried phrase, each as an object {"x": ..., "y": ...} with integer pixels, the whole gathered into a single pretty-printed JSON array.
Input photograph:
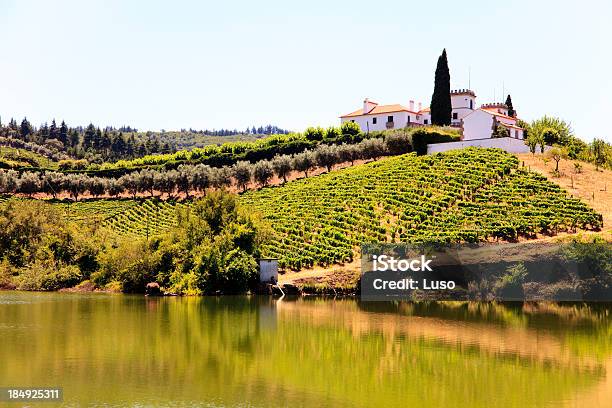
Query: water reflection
[{"x": 127, "y": 350}]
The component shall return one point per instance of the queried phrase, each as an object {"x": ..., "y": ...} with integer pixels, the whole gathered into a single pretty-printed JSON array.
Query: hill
[
  {"x": 15, "y": 158},
  {"x": 464, "y": 195}
]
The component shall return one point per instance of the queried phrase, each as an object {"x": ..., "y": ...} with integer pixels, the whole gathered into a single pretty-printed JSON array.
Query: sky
[{"x": 231, "y": 64}]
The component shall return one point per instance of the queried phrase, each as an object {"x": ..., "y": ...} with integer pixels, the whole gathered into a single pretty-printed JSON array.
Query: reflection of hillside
[
  {"x": 511, "y": 341},
  {"x": 134, "y": 351}
]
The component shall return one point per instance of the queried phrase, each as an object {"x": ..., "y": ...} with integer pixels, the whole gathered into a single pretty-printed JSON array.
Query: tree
[
  {"x": 76, "y": 185},
  {"x": 201, "y": 177},
  {"x": 304, "y": 161},
  {"x": 500, "y": 130},
  {"x": 130, "y": 183},
  {"x": 349, "y": 152},
  {"x": 53, "y": 183},
  {"x": 557, "y": 153},
  {"x": 372, "y": 148},
  {"x": 263, "y": 172},
  {"x": 598, "y": 149},
  {"x": 185, "y": 178},
  {"x": 398, "y": 142},
  {"x": 532, "y": 142},
  {"x": 552, "y": 130},
  {"x": 63, "y": 133},
  {"x": 242, "y": 174},
  {"x": 350, "y": 128},
  {"x": 315, "y": 134},
  {"x": 441, "y": 108},
  {"x": 511, "y": 111},
  {"x": 282, "y": 166},
  {"x": 326, "y": 156},
  {"x": 97, "y": 186},
  {"x": 29, "y": 183},
  {"x": 25, "y": 129}
]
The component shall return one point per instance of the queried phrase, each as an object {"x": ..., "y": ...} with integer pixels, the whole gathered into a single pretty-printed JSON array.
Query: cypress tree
[
  {"x": 441, "y": 108},
  {"x": 511, "y": 111}
]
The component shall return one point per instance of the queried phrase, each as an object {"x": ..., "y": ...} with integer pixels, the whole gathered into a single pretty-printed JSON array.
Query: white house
[
  {"x": 475, "y": 123},
  {"x": 481, "y": 123},
  {"x": 380, "y": 117}
]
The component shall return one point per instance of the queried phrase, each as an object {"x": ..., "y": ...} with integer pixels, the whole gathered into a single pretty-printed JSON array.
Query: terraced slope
[{"x": 464, "y": 195}]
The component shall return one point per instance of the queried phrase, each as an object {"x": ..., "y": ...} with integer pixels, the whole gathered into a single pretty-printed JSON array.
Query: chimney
[
  {"x": 420, "y": 106},
  {"x": 412, "y": 106},
  {"x": 368, "y": 105}
]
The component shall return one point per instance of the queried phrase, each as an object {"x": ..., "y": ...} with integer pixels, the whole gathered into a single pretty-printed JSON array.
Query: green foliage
[
  {"x": 511, "y": 111},
  {"x": 421, "y": 137},
  {"x": 551, "y": 130},
  {"x": 510, "y": 286},
  {"x": 500, "y": 131},
  {"x": 441, "y": 107},
  {"x": 350, "y": 128},
  {"x": 41, "y": 249}
]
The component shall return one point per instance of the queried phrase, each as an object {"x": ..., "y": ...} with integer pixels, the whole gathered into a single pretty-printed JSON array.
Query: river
[{"x": 122, "y": 350}]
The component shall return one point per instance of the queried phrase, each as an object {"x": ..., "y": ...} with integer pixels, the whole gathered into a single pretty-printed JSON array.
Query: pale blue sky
[{"x": 181, "y": 64}]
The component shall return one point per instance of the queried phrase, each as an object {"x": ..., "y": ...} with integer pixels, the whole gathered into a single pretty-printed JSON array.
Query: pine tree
[
  {"x": 89, "y": 136},
  {"x": 26, "y": 129},
  {"x": 441, "y": 108},
  {"x": 53, "y": 133},
  {"x": 63, "y": 133},
  {"x": 511, "y": 111}
]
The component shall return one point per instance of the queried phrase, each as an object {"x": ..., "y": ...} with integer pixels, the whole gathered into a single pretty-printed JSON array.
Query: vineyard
[{"x": 466, "y": 195}]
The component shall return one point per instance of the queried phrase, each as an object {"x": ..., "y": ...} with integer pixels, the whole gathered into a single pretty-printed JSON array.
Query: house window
[
  {"x": 408, "y": 118},
  {"x": 426, "y": 122},
  {"x": 352, "y": 121},
  {"x": 455, "y": 116},
  {"x": 471, "y": 104},
  {"x": 373, "y": 121},
  {"x": 516, "y": 134},
  {"x": 389, "y": 118}
]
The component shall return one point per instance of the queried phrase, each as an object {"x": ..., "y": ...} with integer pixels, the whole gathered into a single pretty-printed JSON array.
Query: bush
[
  {"x": 424, "y": 136},
  {"x": 398, "y": 142},
  {"x": 510, "y": 286}
]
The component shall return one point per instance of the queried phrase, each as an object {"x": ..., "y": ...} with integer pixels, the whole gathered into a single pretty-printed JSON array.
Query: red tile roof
[
  {"x": 493, "y": 111},
  {"x": 379, "y": 109}
]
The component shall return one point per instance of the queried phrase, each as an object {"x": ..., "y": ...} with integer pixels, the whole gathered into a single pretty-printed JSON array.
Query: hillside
[
  {"x": 14, "y": 158},
  {"x": 466, "y": 195}
]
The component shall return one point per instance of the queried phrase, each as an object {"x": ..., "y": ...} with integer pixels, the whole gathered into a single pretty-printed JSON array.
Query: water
[{"x": 119, "y": 350}]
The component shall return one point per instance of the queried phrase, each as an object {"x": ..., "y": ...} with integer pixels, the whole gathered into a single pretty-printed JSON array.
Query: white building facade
[{"x": 475, "y": 123}]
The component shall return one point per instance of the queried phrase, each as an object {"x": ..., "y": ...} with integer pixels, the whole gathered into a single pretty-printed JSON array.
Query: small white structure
[{"x": 268, "y": 270}]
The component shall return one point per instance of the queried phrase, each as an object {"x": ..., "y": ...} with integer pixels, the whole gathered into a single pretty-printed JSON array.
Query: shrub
[
  {"x": 423, "y": 136},
  {"x": 510, "y": 286},
  {"x": 398, "y": 142}
]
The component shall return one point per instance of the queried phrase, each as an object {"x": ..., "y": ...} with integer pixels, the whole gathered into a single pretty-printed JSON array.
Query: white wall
[
  {"x": 268, "y": 270},
  {"x": 477, "y": 125},
  {"x": 461, "y": 106},
  {"x": 365, "y": 122},
  {"x": 509, "y": 144}
]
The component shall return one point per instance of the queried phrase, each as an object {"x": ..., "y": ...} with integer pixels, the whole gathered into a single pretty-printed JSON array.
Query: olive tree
[
  {"x": 263, "y": 172},
  {"x": 326, "y": 156},
  {"x": 242, "y": 174},
  {"x": 282, "y": 166},
  {"x": 304, "y": 161}
]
